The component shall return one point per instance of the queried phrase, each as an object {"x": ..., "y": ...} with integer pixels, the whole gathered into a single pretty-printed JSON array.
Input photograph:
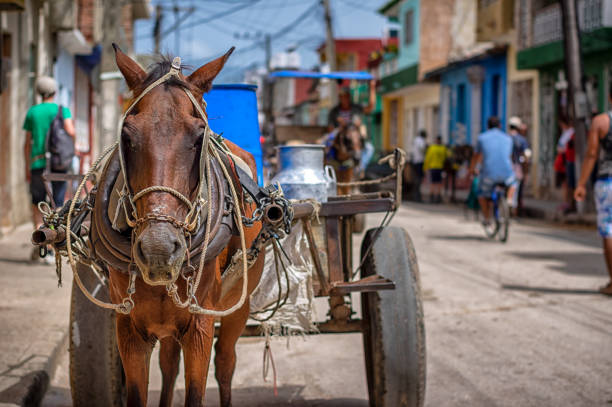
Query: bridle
[
  {"x": 190, "y": 224},
  {"x": 196, "y": 207}
]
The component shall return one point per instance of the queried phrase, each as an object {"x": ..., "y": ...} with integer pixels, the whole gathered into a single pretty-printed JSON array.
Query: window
[{"x": 408, "y": 27}]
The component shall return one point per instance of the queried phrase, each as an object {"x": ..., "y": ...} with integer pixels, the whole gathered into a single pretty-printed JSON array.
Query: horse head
[{"x": 161, "y": 141}]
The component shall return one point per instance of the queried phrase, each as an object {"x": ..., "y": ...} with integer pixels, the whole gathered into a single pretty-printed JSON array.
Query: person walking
[
  {"x": 494, "y": 151},
  {"x": 434, "y": 164},
  {"x": 419, "y": 145},
  {"x": 520, "y": 152},
  {"x": 599, "y": 150},
  {"x": 565, "y": 147},
  {"x": 36, "y": 124}
]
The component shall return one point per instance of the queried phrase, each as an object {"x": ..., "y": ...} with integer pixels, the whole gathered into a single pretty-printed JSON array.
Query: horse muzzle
[{"x": 159, "y": 251}]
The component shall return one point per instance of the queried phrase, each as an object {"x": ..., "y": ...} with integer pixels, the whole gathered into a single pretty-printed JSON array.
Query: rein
[{"x": 191, "y": 222}]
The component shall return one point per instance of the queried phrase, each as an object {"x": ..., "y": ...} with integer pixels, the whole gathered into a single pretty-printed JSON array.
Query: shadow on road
[
  {"x": 241, "y": 397},
  {"x": 548, "y": 290},
  {"x": 15, "y": 261},
  {"x": 477, "y": 238},
  {"x": 574, "y": 263}
]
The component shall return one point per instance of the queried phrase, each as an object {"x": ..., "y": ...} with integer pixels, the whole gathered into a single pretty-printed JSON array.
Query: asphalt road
[{"x": 515, "y": 324}]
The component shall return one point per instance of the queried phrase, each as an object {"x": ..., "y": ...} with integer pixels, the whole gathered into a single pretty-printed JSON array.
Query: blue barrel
[{"x": 232, "y": 112}]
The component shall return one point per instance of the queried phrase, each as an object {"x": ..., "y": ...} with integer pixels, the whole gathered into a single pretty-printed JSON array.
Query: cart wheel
[
  {"x": 393, "y": 327},
  {"x": 96, "y": 373},
  {"x": 359, "y": 221}
]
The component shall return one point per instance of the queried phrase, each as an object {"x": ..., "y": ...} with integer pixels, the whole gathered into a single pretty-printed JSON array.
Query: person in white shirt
[{"x": 419, "y": 146}]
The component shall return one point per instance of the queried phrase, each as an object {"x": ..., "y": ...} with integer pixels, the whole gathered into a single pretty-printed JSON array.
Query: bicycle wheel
[
  {"x": 492, "y": 228},
  {"x": 503, "y": 218}
]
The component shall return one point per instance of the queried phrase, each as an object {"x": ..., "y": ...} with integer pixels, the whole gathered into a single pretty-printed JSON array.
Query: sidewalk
[{"x": 34, "y": 318}]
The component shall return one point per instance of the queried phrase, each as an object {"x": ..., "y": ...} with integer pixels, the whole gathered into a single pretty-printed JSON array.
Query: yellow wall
[{"x": 410, "y": 97}]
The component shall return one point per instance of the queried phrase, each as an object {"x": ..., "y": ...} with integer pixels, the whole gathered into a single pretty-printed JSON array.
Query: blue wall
[
  {"x": 493, "y": 96},
  {"x": 409, "y": 55}
]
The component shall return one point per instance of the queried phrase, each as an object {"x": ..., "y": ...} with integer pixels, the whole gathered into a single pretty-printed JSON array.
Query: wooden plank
[
  {"x": 351, "y": 207},
  {"x": 334, "y": 249}
]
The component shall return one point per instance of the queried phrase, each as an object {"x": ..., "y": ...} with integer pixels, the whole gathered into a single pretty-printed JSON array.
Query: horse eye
[{"x": 128, "y": 139}]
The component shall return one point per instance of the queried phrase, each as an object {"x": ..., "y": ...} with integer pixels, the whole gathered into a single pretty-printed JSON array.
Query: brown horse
[{"x": 162, "y": 139}]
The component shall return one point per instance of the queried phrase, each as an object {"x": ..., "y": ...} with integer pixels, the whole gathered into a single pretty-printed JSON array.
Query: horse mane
[{"x": 161, "y": 67}]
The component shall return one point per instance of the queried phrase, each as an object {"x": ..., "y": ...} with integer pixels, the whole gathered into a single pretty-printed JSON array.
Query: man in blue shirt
[{"x": 494, "y": 151}]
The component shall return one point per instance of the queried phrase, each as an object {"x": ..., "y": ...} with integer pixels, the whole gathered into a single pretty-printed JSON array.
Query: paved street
[
  {"x": 516, "y": 324},
  {"x": 33, "y": 318}
]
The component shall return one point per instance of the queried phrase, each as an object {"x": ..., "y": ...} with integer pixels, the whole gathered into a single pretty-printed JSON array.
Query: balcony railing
[{"x": 548, "y": 27}]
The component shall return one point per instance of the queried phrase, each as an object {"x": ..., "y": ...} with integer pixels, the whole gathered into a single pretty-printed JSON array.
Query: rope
[
  {"x": 267, "y": 359},
  {"x": 393, "y": 162},
  {"x": 127, "y": 304},
  {"x": 197, "y": 309},
  {"x": 171, "y": 191}
]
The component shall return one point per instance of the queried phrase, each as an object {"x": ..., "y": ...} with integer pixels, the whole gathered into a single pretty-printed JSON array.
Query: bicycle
[{"x": 501, "y": 214}]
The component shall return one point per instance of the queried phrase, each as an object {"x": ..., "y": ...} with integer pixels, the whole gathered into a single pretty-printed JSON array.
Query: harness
[{"x": 237, "y": 181}]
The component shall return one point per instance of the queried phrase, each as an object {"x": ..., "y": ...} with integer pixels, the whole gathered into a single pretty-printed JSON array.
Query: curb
[{"x": 31, "y": 388}]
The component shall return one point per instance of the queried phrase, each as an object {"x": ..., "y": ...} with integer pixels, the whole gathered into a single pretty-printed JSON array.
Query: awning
[{"x": 358, "y": 76}]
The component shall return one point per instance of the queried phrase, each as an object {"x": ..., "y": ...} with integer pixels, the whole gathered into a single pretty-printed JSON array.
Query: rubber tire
[
  {"x": 503, "y": 219},
  {"x": 96, "y": 372},
  {"x": 393, "y": 323},
  {"x": 359, "y": 222}
]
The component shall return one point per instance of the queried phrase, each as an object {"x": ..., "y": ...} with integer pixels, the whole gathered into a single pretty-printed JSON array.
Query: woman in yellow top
[{"x": 434, "y": 164}]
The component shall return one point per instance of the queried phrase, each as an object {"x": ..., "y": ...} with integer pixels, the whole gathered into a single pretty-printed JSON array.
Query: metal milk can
[{"x": 302, "y": 175}]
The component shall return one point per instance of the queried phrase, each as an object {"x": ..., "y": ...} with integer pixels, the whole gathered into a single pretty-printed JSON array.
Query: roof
[
  {"x": 387, "y": 8},
  {"x": 484, "y": 54}
]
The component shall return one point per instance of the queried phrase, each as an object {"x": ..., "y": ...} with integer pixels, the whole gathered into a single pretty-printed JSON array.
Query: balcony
[
  {"x": 548, "y": 27},
  {"x": 495, "y": 18}
]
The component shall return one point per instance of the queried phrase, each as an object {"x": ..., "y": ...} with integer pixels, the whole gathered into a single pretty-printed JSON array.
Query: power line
[{"x": 218, "y": 15}]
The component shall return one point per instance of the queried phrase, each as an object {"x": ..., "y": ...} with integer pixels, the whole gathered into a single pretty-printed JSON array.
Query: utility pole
[
  {"x": 110, "y": 78},
  {"x": 268, "y": 91},
  {"x": 157, "y": 27},
  {"x": 268, "y": 46},
  {"x": 330, "y": 49},
  {"x": 576, "y": 93}
]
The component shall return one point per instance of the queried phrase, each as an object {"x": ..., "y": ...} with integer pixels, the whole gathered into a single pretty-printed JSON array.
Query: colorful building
[
  {"x": 410, "y": 104},
  {"x": 540, "y": 50},
  {"x": 472, "y": 90}
]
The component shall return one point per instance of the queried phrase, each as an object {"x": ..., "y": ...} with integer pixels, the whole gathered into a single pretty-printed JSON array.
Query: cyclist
[{"x": 494, "y": 150}]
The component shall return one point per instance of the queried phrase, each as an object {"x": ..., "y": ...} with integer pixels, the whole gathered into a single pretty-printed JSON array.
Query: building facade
[
  {"x": 62, "y": 39},
  {"x": 540, "y": 50},
  {"x": 409, "y": 103}
]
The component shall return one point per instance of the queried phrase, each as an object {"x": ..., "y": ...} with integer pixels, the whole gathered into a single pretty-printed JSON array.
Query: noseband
[{"x": 193, "y": 219}]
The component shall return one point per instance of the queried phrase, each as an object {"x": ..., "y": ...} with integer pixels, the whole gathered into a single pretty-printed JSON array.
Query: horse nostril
[
  {"x": 151, "y": 275},
  {"x": 177, "y": 245},
  {"x": 168, "y": 276}
]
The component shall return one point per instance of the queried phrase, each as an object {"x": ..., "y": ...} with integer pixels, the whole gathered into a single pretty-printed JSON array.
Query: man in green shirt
[{"x": 36, "y": 124}]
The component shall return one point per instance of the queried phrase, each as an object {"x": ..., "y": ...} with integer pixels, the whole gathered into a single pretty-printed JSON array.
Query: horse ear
[
  {"x": 203, "y": 77},
  {"x": 132, "y": 72}
]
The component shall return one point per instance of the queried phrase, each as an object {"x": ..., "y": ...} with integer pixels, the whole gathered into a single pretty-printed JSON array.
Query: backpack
[{"x": 60, "y": 146}]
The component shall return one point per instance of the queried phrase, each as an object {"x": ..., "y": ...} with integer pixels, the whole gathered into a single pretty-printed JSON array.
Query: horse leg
[
  {"x": 225, "y": 351},
  {"x": 169, "y": 352},
  {"x": 197, "y": 346},
  {"x": 135, "y": 354}
]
